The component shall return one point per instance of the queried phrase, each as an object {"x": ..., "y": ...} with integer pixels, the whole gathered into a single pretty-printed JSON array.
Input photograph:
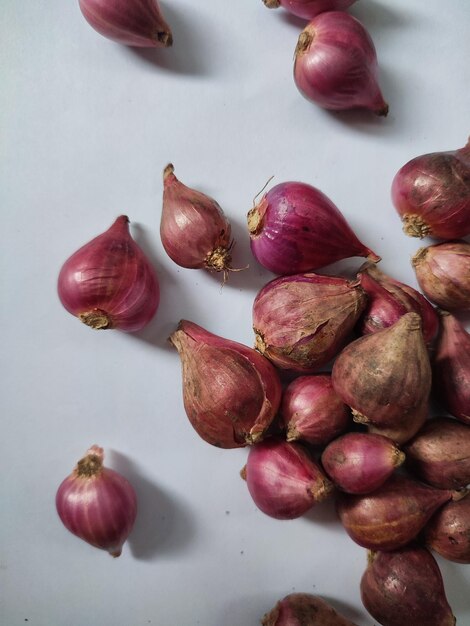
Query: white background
[{"x": 87, "y": 127}]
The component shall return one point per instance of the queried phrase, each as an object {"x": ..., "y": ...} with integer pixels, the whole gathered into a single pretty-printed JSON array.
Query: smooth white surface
[{"x": 87, "y": 127}]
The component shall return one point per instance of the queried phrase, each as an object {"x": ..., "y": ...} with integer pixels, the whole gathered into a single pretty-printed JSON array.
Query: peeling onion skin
[
  {"x": 97, "y": 504},
  {"x": 391, "y": 516},
  {"x": 451, "y": 366},
  {"x": 360, "y": 463},
  {"x": 431, "y": 193},
  {"x": 304, "y": 609},
  {"x": 308, "y": 9},
  {"x": 136, "y": 23},
  {"x": 231, "y": 393},
  {"x": 336, "y": 64},
  {"x": 312, "y": 411},
  {"x": 448, "y": 531},
  {"x": 439, "y": 454},
  {"x": 295, "y": 228},
  {"x": 301, "y": 322},
  {"x": 443, "y": 273},
  {"x": 283, "y": 480},
  {"x": 109, "y": 282},
  {"x": 405, "y": 587}
]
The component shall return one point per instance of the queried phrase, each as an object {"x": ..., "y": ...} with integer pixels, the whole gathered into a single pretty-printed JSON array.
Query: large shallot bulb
[
  {"x": 301, "y": 322},
  {"x": 448, "y": 531},
  {"x": 130, "y": 22},
  {"x": 304, "y": 609},
  {"x": 97, "y": 504},
  {"x": 109, "y": 282},
  {"x": 309, "y": 8},
  {"x": 432, "y": 194},
  {"x": 231, "y": 393},
  {"x": 336, "y": 64},
  {"x": 405, "y": 587},
  {"x": 295, "y": 228}
]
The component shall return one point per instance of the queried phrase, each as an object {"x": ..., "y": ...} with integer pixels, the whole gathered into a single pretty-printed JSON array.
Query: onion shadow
[{"x": 345, "y": 609}]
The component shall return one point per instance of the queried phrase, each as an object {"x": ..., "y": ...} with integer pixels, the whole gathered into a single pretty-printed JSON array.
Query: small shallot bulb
[
  {"x": 109, "y": 282},
  {"x": 295, "y": 228},
  {"x": 130, "y": 22},
  {"x": 312, "y": 411},
  {"x": 283, "y": 480},
  {"x": 405, "y": 587},
  {"x": 194, "y": 230},
  {"x": 451, "y": 366},
  {"x": 97, "y": 504},
  {"x": 301, "y": 322},
  {"x": 309, "y": 8},
  {"x": 448, "y": 531},
  {"x": 360, "y": 462},
  {"x": 336, "y": 64},
  {"x": 304, "y": 609},
  {"x": 431, "y": 193},
  {"x": 231, "y": 393},
  {"x": 443, "y": 273}
]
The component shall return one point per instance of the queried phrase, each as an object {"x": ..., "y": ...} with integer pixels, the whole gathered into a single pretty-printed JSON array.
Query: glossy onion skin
[
  {"x": 304, "y": 609},
  {"x": 136, "y": 23},
  {"x": 431, "y": 193},
  {"x": 336, "y": 64},
  {"x": 308, "y": 9},
  {"x": 231, "y": 393},
  {"x": 405, "y": 587},
  {"x": 295, "y": 228},
  {"x": 109, "y": 282},
  {"x": 448, "y": 531}
]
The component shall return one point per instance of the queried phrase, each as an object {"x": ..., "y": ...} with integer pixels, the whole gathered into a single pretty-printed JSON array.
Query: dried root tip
[
  {"x": 97, "y": 319},
  {"x": 253, "y": 438},
  {"x": 165, "y": 38},
  {"x": 304, "y": 42},
  {"x": 398, "y": 457},
  {"x": 255, "y": 221},
  {"x": 292, "y": 434},
  {"x": 219, "y": 260},
  {"x": 383, "y": 111},
  {"x": 359, "y": 418},
  {"x": 90, "y": 465},
  {"x": 260, "y": 344},
  {"x": 415, "y": 226},
  {"x": 272, "y": 4},
  {"x": 168, "y": 171},
  {"x": 243, "y": 472},
  {"x": 116, "y": 553},
  {"x": 371, "y": 554},
  {"x": 419, "y": 257}
]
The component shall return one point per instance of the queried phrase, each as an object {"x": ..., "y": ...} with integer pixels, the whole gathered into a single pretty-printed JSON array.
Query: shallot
[
  {"x": 309, "y": 8},
  {"x": 304, "y": 609},
  {"x": 448, "y": 531}
]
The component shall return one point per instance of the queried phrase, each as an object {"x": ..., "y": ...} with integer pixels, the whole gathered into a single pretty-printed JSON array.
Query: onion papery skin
[
  {"x": 336, "y": 64},
  {"x": 109, "y": 282},
  {"x": 295, "y": 228},
  {"x": 136, "y": 23},
  {"x": 283, "y": 480},
  {"x": 360, "y": 463},
  {"x": 431, "y": 193},
  {"x": 312, "y": 411},
  {"x": 301, "y": 322},
  {"x": 231, "y": 393},
  {"x": 194, "y": 230},
  {"x": 386, "y": 377},
  {"x": 451, "y": 366},
  {"x": 389, "y": 299},
  {"x": 443, "y": 273},
  {"x": 308, "y": 9},
  {"x": 448, "y": 531},
  {"x": 391, "y": 516},
  {"x": 440, "y": 453},
  {"x": 304, "y": 609},
  {"x": 97, "y": 504},
  {"x": 405, "y": 587}
]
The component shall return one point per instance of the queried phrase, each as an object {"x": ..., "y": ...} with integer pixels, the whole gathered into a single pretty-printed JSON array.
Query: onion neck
[
  {"x": 91, "y": 465},
  {"x": 255, "y": 221},
  {"x": 260, "y": 344},
  {"x": 419, "y": 257},
  {"x": 272, "y": 4},
  {"x": 166, "y": 39},
  {"x": 464, "y": 153},
  {"x": 303, "y": 44},
  {"x": 415, "y": 226},
  {"x": 97, "y": 319}
]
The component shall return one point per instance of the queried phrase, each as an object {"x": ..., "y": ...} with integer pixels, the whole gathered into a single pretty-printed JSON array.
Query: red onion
[
  {"x": 312, "y": 411},
  {"x": 336, "y": 64},
  {"x": 391, "y": 516},
  {"x": 303, "y": 609},
  {"x": 386, "y": 377},
  {"x": 388, "y": 300},
  {"x": 440, "y": 453},
  {"x": 405, "y": 587},
  {"x": 432, "y": 194},
  {"x": 295, "y": 228},
  {"x": 283, "y": 480},
  {"x": 130, "y": 22},
  {"x": 360, "y": 463},
  {"x": 231, "y": 392},
  {"x": 194, "y": 230},
  {"x": 448, "y": 532},
  {"x": 301, "y": 322},
  {"x": 109, "y": 283},
  {"x": 309, "y": 8},
  {"x": 451, "y": 366},
  {"x": 443, "y": 273},
  {"x": 97, "y": 504}
]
